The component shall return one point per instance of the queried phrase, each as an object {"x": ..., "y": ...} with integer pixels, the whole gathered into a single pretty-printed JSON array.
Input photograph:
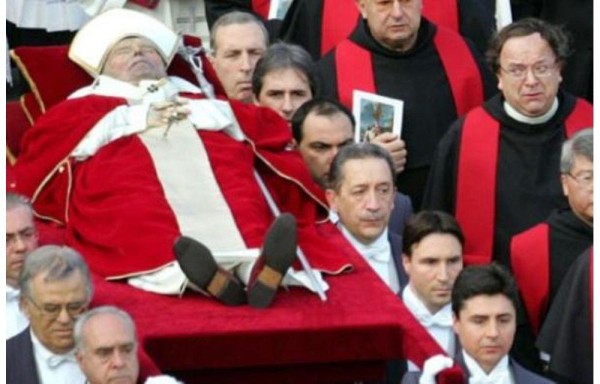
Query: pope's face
[{"x": 134, "y": 59}]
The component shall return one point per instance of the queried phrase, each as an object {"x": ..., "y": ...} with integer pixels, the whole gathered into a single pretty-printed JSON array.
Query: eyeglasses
[
  {"x": 25, "y": 235},
  {"x": 583, "y": 179},
  {"x": 540, "y": 71},
  {"x": 52, "y": 311}
]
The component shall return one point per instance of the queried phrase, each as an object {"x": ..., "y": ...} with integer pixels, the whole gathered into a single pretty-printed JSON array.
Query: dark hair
[
  {"x": 556, "y": 37},
  {"x": 490, "y": 279},
  {"x": 354, "y": 152},
  {"x": 424, "y": 224},
  {"x": 321, "y": 107},
  {"x": 284, "y": 56},
  {"x": 234, "y": 18}
]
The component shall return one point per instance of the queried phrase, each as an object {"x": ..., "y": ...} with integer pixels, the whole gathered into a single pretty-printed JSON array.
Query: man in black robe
[{"x": 408, "y": 59}]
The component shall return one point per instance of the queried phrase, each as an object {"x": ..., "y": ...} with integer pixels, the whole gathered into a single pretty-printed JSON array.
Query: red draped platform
[{"x": 299, "y": 339}]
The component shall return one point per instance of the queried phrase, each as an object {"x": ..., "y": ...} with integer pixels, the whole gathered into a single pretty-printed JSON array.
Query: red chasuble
[
  {"x": 354, "y": 70},
  {"x": 476, "y": 179},
  {"x": 115, "y": 210}
]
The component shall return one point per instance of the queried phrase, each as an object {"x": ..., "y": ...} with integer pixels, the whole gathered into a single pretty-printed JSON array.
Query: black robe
[
  {"x": 303, "y": 23},
  {"x": 417, "y": 77},
  {"x": 528, "y": 184},
  {"x": 567, "y": 331}
]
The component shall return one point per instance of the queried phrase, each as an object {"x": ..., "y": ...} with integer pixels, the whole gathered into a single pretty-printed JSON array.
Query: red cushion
[{"x": 16, "y": 124}]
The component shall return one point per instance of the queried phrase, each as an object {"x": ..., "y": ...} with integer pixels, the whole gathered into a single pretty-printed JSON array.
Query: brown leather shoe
[
  {"x": 199, "y": 266},
  {"x": 278, "y": 253}
]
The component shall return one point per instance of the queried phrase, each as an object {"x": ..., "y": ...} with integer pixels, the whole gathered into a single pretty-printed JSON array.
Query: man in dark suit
[
  {"x": 484, "y": 302},
  {"x": 432, "y": 257},
  {"x": 361, "y": 192},
  {"x": 55, "y": 289},
  {"x": 321, "y": 128}
]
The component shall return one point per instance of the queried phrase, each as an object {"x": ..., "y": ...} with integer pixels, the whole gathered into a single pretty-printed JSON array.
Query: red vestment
[{"x": 115, "y": 210}]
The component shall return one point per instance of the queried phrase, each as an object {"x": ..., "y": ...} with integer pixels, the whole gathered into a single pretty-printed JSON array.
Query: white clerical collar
[
  {"x": 499, "y": 374},
  {"x": 512, "y": 112},
  {"x": 442, "y": 318},
  {"x": 45, "y": 354},
  {"x": 378, "y": 250},
  {"x": 163, "y": 89}
]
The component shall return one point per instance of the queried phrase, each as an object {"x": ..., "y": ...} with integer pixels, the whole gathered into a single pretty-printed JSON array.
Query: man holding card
[{"x": 394, "y": 52}]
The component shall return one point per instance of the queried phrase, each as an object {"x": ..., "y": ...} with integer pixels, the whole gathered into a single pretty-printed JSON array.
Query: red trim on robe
[
  {"x": 476, "y": 179},
  {"x": 261, "y": 7},
  {"x": 530, "y": 256},
  {"x": 462, "y": 72},
  {"x": 442, "y": 12}
]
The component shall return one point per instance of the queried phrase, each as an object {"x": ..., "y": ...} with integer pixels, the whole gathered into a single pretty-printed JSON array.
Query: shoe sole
[
  {"x": 279, "y": 250},
  {"x": 199, "y": 266}
]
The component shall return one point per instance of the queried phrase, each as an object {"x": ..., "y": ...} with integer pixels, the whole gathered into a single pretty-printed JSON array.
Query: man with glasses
[
  {"x": 497, "y": 169},
  {"x": 21, "y": 239},
  {"x": 542, "y": 255},
  {"x": 55, "y": 289}
]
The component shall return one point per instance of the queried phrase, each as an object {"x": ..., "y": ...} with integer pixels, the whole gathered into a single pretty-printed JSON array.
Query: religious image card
[
  {"x": 375, "y": 114},
  {"x": 279, "y": 8}
]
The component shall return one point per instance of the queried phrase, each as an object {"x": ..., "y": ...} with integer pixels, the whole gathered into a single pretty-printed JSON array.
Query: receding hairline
[{"x": 236, "y": 18}]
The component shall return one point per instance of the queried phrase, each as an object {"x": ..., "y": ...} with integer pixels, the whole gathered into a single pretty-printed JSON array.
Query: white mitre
[{"x": 93, "y": 42}]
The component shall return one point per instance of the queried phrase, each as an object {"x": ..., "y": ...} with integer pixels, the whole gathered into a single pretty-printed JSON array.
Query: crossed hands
[{"x": 167, "y": 112}]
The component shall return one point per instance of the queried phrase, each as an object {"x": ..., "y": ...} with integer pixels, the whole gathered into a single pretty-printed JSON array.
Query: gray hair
[
  {"x": 581, "y": 144},
  {"x": 284, "y": 56},
  {"x": 14, "y": 200},
  {"x": 232, "y": 18},
  {"x": 59, "y": 262},
  {"x": 106, "y": 309},
  {"x": 356, "y": 152}
]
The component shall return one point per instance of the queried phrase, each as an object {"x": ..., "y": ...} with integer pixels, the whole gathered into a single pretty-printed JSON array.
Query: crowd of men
[{"x": 478, "y": 216}]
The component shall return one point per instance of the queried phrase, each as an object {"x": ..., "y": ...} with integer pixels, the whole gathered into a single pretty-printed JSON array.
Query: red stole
[
  {"x": 354, "y": 70},
  {"x": 476, "y": 179},
  {"x": 261, "y": 7},
  {"x": 530, "y": 256},
  {"x": 339, "y": 19}
]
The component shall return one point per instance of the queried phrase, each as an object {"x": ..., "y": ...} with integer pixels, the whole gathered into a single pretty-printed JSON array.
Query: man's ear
[
  {"x": 406, "y": 263},
  {"x": 331, "y": 199},
  {"x": 294, "y": 144},
  {"x": 361, "y": 5}
]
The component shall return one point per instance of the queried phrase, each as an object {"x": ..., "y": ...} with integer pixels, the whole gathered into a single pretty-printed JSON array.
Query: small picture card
[
  {"x": 375, "y": 114},
  {"x": 279, "y": 8}
]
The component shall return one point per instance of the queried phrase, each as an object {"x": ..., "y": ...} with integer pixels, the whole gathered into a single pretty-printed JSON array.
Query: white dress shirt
[
  {"x": 379, "y": 256},
  {"x": 16, "y": 321},
  {"x": 53, "y": 368},
  {"x": 499, "y": 375},
  {"x": 439, "y": 324}
]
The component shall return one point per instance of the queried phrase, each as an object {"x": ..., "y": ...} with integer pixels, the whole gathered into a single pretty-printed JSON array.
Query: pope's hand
[
  {"x": 167, "y": 112},
  {"x": 395, "y": 146}
]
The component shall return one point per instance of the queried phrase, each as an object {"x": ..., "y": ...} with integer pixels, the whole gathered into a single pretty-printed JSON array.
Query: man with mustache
[
  {"x": 55, "y": 289},
  {"x": 395, "y": 52},
  {"x": 361, "y": 192},
  {"x": 432, "y": 247},
  {"x": 497, "y": 169}
]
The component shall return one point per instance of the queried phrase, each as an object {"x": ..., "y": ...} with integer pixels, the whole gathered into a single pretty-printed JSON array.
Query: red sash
[
  {"x": 340, "y": 16},
  {"x": 476, "y": 179},
  {"x": 530, "y": 258},
  {"x": 354, "y": 70},
  {"x": 261, "y": 7}
]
